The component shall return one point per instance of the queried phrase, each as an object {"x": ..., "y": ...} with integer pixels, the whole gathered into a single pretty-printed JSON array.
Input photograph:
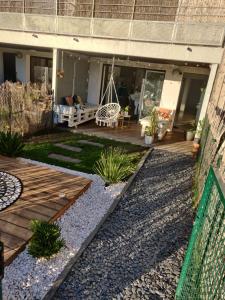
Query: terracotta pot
[{"x": 196, "y": 146}]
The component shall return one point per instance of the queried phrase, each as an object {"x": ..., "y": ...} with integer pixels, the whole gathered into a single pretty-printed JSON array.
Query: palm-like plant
[
  {"x": 46, "y": 240},
  {"x": 11, "y": 144},
  {"x": 114, "y": 165}
]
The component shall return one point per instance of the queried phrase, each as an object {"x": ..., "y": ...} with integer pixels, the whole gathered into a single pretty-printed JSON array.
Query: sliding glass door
[{"x": 151, "y": 91}]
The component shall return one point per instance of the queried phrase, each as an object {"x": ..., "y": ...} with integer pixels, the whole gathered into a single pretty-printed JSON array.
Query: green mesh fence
[{"x": 203, "y": 271}]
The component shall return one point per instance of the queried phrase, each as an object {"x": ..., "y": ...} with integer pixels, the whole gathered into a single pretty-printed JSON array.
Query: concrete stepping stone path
[
  {"x": 91, "y": 143},
  {"x": 64, "y": 158},
  {"x": 68, "y": 147}
]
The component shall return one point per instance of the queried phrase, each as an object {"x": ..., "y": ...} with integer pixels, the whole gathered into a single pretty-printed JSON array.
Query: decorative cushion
[
  {"x": 164, "y": 114},
  {"x": 69, "y": 100}
]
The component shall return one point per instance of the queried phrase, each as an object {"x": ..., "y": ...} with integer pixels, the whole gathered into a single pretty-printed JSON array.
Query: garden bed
[{"x": 30, "y": 278}]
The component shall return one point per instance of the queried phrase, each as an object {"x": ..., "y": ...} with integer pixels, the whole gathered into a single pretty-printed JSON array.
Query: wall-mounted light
[
  {"x": 35, "y": 35},
  {"x": 19, "y": 55},
  {"x": 76, "y": 39},
  {"x": 176, "y": 71}
]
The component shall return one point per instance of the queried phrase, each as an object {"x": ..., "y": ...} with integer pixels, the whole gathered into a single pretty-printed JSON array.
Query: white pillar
[
  {"x": 27, "y": 66},
  {"x": 184, "y": 98},
  {"x": 208, "y": 91},
  {"x": 54, "y": 73}
]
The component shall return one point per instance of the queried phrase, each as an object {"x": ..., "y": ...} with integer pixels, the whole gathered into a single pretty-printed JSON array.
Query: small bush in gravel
[
  {"x": 114, "y": 165},
  {"x": 11, "y": 144},
  {"x": 46, "y": 240}
]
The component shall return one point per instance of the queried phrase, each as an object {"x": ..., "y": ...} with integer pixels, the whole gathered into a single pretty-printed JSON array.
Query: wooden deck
[
  {"x": 173, "y": 141},
  {"x": 41, "y": 199}
]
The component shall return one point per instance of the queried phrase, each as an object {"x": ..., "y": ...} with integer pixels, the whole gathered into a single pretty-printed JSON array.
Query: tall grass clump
[{"x": 114, "y": 165}]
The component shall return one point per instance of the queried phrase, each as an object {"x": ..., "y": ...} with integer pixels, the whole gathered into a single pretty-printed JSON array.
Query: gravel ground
[
  {"x": 30, "y": 278},
  {"x": 138, "y": 252}
]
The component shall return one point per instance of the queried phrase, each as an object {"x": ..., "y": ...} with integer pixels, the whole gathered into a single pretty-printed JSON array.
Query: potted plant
[
  {"x": 151, "y": 129},
  {"x": 190, "y": 133},
  {"x": 126, "y": 111},
  {"x": 199, "y": 130},
  {"x": 149, "y": 135}
]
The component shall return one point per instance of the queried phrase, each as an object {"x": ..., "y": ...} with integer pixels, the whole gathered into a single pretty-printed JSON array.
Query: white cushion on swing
[{"x": 108, "y": 113}]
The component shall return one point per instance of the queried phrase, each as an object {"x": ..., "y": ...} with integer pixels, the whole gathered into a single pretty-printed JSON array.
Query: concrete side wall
[
  {"x": 94, "y": 83},
  {"x": 81, "y": 86},
  {"x": 65, "y": 84},
  {"x": 74, "y": 76}
]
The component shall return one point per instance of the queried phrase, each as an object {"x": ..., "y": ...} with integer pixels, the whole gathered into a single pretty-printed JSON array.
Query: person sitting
[{"x": 123, "y": 95}]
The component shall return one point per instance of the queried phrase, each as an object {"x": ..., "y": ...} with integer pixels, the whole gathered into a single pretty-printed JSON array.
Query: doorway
[
  {"x": 9, "y": 65},
  {"x": 190, "y": 100},
  {"x": 132, "y": 84}
]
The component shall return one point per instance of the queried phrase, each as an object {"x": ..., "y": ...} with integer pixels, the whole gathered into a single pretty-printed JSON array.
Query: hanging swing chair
[{"x": 108, "y": 114}]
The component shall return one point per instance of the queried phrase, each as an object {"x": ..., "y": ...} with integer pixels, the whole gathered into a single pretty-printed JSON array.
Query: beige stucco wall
[
  {"x": 116, "y": 47},
  {"x": 73, "y": 75},
  {"x": 171, "y": 89}
]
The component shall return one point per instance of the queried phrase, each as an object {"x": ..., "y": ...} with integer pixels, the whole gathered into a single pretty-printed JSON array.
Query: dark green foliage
[
  {"x": 46, "y": 240},
  {"x": 11, "y": 144},
  {"x": 114, "y": 165}
]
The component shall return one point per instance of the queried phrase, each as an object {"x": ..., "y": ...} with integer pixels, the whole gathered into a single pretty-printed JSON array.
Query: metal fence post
[{"x": 1, "y": 268}]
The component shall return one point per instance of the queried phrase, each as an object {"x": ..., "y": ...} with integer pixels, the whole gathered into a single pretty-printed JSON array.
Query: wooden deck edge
[
  {"x": 51, "y": 293},
  {"x": 70, "y": 203}
]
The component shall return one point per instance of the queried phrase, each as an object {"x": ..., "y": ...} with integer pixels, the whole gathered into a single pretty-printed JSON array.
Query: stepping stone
[
  {"x": 91, "y": 143},
  {"x": 67, "y": 147},
  {"x": 64, "y": 158}
]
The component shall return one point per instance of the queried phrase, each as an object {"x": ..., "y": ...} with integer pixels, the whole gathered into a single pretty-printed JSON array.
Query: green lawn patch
[{"x": 89, "y": 155}]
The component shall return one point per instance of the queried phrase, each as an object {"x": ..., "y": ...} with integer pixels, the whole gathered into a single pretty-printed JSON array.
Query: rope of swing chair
[{"x": 110, "y": 85}]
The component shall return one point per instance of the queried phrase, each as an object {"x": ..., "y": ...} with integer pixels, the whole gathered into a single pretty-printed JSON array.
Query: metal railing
[
  {"x": 161, "y": 10},
  {"x": 134, "y": 30},
  {"x": 202, "y": 275}
]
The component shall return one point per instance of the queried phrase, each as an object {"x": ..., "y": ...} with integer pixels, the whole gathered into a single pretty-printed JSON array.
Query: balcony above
[{"x": 171, "y": 21}]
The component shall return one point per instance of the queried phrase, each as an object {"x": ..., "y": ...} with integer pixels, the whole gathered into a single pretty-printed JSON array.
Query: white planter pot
[
  {"x": 149, "y": 139},
  {"x": 190, "y": 135},
  {"x": 160, "y": 136},
  {"x": 126, "y": 114}
]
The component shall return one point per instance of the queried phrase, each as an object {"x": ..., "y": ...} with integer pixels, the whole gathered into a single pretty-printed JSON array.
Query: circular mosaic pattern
[{"x": 10, "y": 189}]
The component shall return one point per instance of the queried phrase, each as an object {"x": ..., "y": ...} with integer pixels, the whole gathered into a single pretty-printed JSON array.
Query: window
[{"x": 41, "y": 70}]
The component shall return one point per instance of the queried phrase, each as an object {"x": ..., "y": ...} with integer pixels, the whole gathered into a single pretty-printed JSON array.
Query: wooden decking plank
[
  {"x": 42, "y": 210},
  {"x": 10, "y": 241},
  {"x": 20, "y": 232},
  {"x": 32, "y": 215},
  {"x": 30, "y": 201},
  {"x": 15, "y": 219},
  {"x": 56, "y": 187}
]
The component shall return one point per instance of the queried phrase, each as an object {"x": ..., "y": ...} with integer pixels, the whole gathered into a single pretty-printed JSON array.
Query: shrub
[
  {"x": 114, "y": 165},
  {"x": 11, "y": 144},
  {"x": 46, "y": 240}
]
